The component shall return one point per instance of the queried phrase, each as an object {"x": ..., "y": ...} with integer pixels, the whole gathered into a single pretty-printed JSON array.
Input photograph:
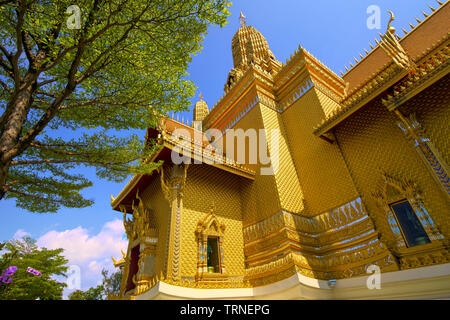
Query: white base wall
[{"x": 422, "y": 283}]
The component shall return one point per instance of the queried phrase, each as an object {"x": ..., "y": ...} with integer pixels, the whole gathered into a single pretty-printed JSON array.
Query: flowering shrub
[
  {"x": 6, "y": 276},
  {"x": 7, "y": 273},
  {"x": 35, "y": 272}
]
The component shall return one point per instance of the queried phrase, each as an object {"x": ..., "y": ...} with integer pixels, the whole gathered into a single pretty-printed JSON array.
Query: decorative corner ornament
[
  {"x": 390, "y": 44},
  {"x": 142, "y": 225}
]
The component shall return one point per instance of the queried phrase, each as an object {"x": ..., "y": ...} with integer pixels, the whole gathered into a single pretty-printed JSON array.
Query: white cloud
[
  {"x": 91, "y": 253},
  {"x": 20, "y": 234}
]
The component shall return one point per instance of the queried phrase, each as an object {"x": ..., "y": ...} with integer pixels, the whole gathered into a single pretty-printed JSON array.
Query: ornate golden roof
[{"x": 196, "y": 150}]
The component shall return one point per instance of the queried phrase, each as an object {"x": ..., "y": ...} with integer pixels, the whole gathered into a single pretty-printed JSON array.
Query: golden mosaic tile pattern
[
  {"x": 208, "y": 187},
  {"x": 263, "y": 187},
  {"x": 432, "y": 109},
  {"x": 288, "y": 185},
  {"x": 324, "y": 178},
  {"x": 328, "y": 105},
  {"x": 372, "y": 143}
]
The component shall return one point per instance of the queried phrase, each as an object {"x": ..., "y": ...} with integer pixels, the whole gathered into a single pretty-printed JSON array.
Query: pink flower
[{"x": 35, "y": 272}]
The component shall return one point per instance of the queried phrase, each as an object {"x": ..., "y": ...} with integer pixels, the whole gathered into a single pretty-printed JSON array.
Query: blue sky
[{"x": 333, "y": 31}]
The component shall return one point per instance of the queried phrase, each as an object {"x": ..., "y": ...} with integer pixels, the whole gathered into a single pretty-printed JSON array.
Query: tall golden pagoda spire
[{"x": 249, "y": 47}]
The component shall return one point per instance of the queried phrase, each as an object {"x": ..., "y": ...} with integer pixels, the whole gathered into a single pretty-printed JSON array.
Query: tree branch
[
  {"x": 34, "y": 196},
  {"x": 16, "y": 56},
  {"x": 46, "y": 148},
  {"x": 42, "y": 161},
  {"x": 7, "y": 54},
  {"x": 4, "y": 85},
  {"x": 8, "y": 69},
  {"x": 30, "y": 55},
  {"x": 45, "y": 82},
  {"x": 5, "y": 2}
]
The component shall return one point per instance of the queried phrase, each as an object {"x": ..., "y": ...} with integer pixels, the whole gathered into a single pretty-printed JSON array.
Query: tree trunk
[
  {"x": 3, "y": 175},
  {"x": 11, "y": 133}
]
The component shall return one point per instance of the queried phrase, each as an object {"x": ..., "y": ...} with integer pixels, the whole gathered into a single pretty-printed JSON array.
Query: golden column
[{"x": 172, "y": 185}]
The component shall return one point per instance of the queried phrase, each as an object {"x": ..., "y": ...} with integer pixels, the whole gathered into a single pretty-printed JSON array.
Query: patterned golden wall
[
  {"x": 372, "y": 143},
  {"x": 259, "y": 198},
  {"x": 207, "y": 186},
  {"x": 154, "y": 199},
  {"x": 433, "y": 112},
  {"x": 288, "y": 185},
  {"x": 324, "y": 178}
]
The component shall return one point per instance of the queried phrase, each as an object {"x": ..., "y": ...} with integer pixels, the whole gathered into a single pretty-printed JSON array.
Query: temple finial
[
  {"x": 200, "y": 96},
  {"x": 390, "y": 28},
  {"x": 242, "y": 19}
]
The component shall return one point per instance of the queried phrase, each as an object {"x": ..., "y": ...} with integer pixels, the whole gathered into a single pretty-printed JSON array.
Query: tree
[
  {"x": 76, "y": 295},
  {"x": 27, "y": 286},
  {"x": 110, "y": 285},
  {"x": 67, "y": 90},
  {"x": 5, "y": 259},
  {"x": 112, "y": 282},
  {"x": 94, "y": 293}
]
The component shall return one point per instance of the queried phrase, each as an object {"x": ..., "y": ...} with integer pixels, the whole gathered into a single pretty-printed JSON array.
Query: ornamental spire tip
[{"x": 242, "y": 19}]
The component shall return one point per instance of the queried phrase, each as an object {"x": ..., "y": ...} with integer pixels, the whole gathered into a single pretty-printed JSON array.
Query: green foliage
[
  {"x": 5, "y": 258},
  {"x": 76, "y": 295},
  {"x": 26, "y": 286},
  {"x": 95, "y": 293},
  {"x": 68, "y": 95},
  {"x": 110, "y": 284}
]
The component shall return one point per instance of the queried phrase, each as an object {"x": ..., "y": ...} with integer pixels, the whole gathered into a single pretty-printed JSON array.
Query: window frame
[
  {"x": 401, "y": 227},
  {"x": 217, "y": 270}
]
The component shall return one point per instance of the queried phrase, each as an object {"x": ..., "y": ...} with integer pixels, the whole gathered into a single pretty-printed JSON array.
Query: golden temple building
[{"x": 356, "y": 185}]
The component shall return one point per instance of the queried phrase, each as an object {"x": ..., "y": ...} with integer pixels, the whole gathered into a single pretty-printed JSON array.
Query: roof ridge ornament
[
  {"x": 242, "y": 19},
  {"x": 389, "y": 27},
  {"x": 390, "y": 44}
]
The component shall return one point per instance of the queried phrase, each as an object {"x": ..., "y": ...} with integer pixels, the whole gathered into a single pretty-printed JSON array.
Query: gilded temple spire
[
  {"x": 242, "y": 19},
  {"x": 249, "y": 48},
  {"x": 201, "y": 110}
]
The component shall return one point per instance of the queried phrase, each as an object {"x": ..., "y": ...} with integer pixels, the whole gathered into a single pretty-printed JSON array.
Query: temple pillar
[
  {"x": 172, "y": 185},
  {"x": 426, "y": 150}
]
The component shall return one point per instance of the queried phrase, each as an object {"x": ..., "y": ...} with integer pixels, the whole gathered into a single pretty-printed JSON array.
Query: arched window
[
  {"x": 213, "y": 256},
  {"x": 402, "y": 203},
  {"x": 210, "y": 259},
  {"x": 412, "y": 230}
]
